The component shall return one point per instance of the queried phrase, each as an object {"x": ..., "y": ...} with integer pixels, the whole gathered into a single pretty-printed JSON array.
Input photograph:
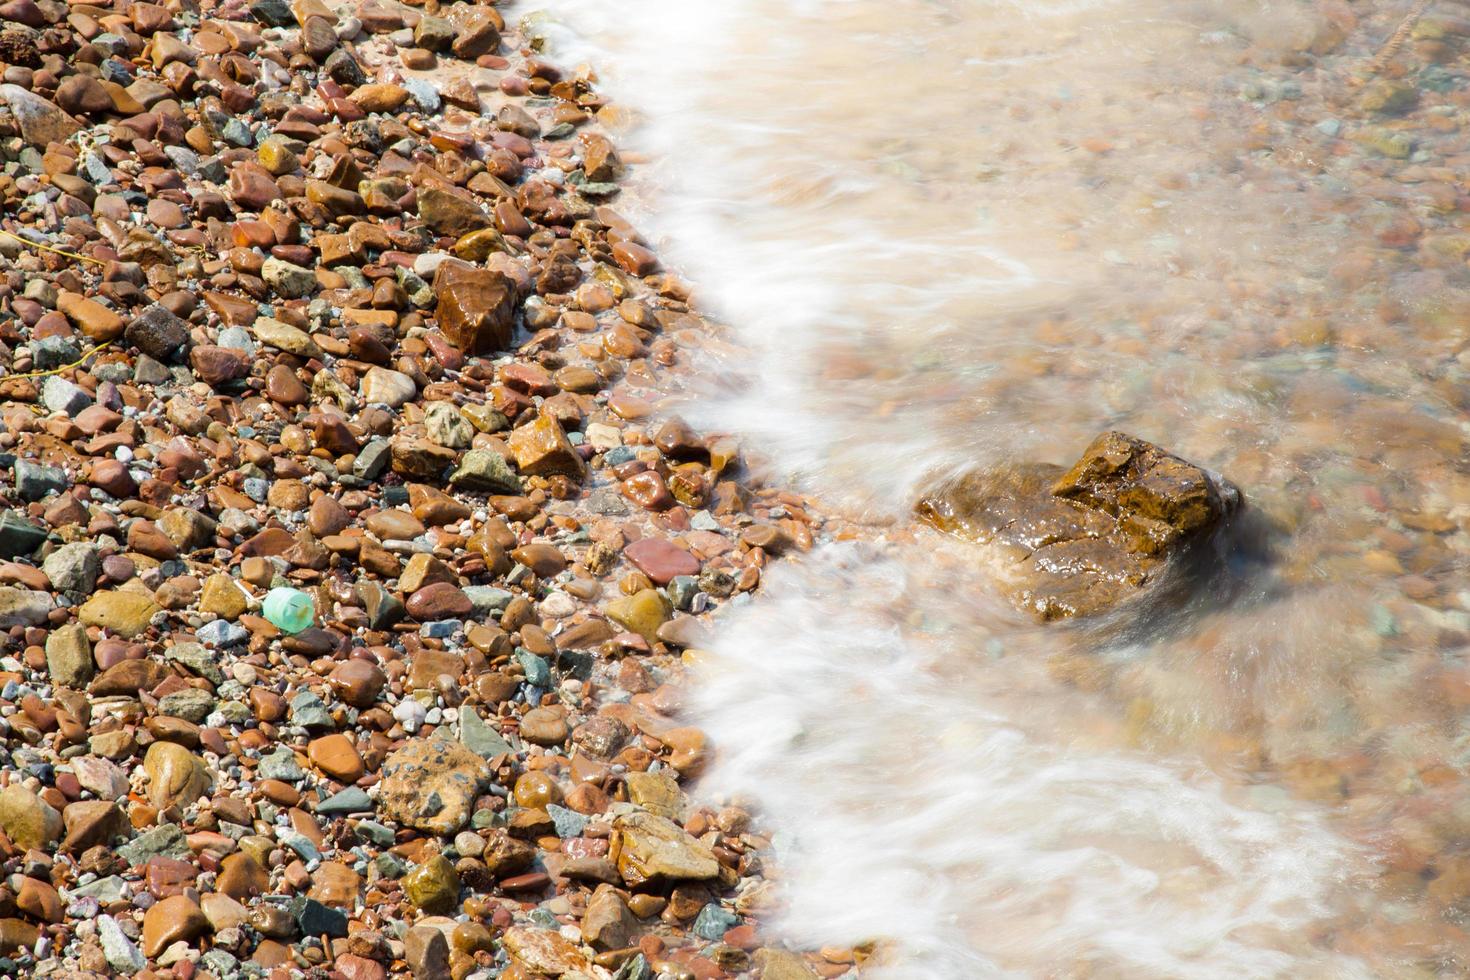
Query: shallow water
[{"x": 956, "y": 233}]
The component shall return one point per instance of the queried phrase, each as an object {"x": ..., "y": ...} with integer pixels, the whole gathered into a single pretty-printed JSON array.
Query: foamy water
[{"x": 951, "y": 233}]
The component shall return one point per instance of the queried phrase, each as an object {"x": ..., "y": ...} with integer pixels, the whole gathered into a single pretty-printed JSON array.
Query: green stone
[{"x": 433, "y": 886}]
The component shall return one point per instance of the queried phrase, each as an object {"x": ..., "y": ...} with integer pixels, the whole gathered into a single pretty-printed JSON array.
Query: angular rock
[
  {"x": 69, "y": 656},
  {"x": 123, "y": 611},
  {"x": 541, "y": 449},
  {"x": 544, "y": 953},
  {"x": 450, "y": 213},
  {"x": 476, "y": 307},
  {"x": 27, "y": 819},
  {"x": 41, "y": 122},
  {"x": 1078, "y": 542},
  {"x": 73, "y": 567},
  {"x": 654, "y": 849},
  {"x": 23, "y": 607},
  {"x": 483, "y": 469}
]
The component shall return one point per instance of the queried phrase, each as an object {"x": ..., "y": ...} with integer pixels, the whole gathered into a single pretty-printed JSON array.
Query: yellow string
[
  {"x": 77, "y": 363},
  {"x": 50, "y": 248}
]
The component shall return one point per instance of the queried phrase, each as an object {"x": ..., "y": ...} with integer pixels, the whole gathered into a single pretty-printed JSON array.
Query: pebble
[{"x": 315, "y": 275}]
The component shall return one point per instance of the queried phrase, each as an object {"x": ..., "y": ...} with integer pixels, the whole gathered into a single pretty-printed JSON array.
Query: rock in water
[{"x": 1077, "y": 542}]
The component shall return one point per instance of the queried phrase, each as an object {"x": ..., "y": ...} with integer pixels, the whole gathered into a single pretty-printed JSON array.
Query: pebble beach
[{"x": 459, "y": 467}]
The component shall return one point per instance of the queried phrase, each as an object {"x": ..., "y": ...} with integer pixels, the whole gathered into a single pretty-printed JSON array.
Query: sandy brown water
[{"x": 954, "y": 233}]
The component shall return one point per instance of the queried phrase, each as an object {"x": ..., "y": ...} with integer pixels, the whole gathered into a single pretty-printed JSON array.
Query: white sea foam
[{"x": 929, "y": 783}]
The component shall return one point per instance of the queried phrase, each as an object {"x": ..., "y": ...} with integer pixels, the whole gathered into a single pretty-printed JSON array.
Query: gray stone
[
  {"x": 446, "y": 427},
  {"x": 121, "y": 954},
  {"x": 423, "y": 93},
  {"x": 314, "y": 918},
  {"x": 60, "y": 395},
  {"x": 281, "y": 764},
  {"x": 22, "y": 607},
  {"x": 373, "y": 459},
  {"x": 713, "y": 922},
  {"x": 479, "y": 737},
  {"x": 69, "y": 656},
  {"x": 569, "y": 823},
  {"x": 190, "y": 704},
  {"x": 308, "y": 711},
  {"x": 488, "y": 600},
  {"x": 482, "y": 469},
  {"x": 198, "y": 660},
  {"x": 36, "y": 482},
  {"x": 383, "y": 608},
  {"x": 53, "y": 352},
  {"x": 221, "y": 634},
  {"x": 73, "y": 567},
  {"x": 350, "y": 800},
  {"x": 167, "y": 840},
  {"x": 18, "y": 536}
]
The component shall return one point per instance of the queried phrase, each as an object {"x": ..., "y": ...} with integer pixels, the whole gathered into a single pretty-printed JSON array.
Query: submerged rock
[{"x": 1078, "y": 542}]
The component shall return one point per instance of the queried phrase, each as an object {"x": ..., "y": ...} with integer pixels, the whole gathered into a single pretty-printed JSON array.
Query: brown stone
[
  {"x": 431, "y": 785},
  {"x": 541, "y": 448},
  {"x": 241, "y": 876},
  {"x": 475, "y": 307},
  {"x": 173, "y": 919},
  {"x": 39, "y": 900},
  {"x": 435, "y": 507},
  {"x": 546, "y": 560},
  {"x": 450, "y": 212},
  {"x": 660, "y": 559},
  {"x": 336, "y": 756},
  {"x": 358, "y": 682},
  {"x": 441, "y": 600},
  {"x": 1079, "y": 542}
]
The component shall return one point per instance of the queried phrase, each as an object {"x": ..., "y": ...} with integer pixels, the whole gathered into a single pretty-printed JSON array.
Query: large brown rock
[
  {"x": 431, "y": 785},
  {"x": 476, "y": 307},
  {"x": 1076, "y": 542}
]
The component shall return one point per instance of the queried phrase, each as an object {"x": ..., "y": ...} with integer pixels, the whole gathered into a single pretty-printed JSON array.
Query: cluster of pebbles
[{"x": 330, "y": 297}]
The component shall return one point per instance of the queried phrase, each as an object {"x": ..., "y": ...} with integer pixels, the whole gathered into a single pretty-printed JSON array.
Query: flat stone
[
  {"x": 544, "y": 953},
  {"x": 652, "y": 850},
  {"x": 283, "y": 336},
  {"x": 24, "y": 607},
  {"x": 661, "y": 560},
  {"x": 172, "y": 920},
  {"x": 123, "y": 611}
]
